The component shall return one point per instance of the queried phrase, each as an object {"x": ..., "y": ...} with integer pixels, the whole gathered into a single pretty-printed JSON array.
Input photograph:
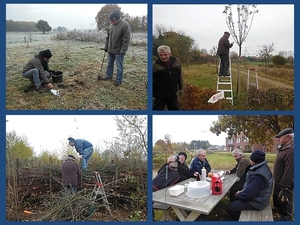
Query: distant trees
[
  {"x": 279, "y": 60},
  {"x": 43, "y": 26},
  {"x": 20, "y": 26},
  {"x": 137, "y": 23},
  {"x": 265, "y": 52},
  {"x": 182, "y": 46}
]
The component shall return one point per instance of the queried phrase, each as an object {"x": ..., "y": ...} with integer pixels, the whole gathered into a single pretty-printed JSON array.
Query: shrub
[{"x": 279, "y": 60}]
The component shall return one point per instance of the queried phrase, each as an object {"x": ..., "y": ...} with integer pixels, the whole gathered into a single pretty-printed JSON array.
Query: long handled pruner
[{"x": 100, "y": 73}]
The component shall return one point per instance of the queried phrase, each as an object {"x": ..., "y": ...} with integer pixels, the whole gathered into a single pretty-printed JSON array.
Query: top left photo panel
[{"x": 76, "y": 56}]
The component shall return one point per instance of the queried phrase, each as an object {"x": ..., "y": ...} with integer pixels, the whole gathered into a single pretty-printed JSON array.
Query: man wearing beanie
[
  {"x": 199, "y": 162},
  {"x": 283, "y": 194},
  {"x": 70, "y": 171},
  {"x": 37, "y": 70},
  {"x": 116, "y": 46},
  {"x": 257, "y": 189},
  {"x": 85, "y": 150},
  {"x": 172, "y": 172}
]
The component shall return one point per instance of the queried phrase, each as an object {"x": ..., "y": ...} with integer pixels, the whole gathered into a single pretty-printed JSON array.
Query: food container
[
  {"x": 198, "y": 189},
  {"x": 176, "y": 190}
]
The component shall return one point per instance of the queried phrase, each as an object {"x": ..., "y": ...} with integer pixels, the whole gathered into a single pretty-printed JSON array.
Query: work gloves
[{"x": 283, "y": 195}]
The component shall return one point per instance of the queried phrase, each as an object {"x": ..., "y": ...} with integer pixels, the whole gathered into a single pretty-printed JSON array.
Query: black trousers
[
  {"x": 285, "y": 209},
  {"x": 171, "y": 102},
  {"x": 224, "y": 65}
]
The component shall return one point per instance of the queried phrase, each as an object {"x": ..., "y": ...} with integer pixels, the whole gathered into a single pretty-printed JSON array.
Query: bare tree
[
  {"x": 265, "y": 52},
  {"x": 244, "y": 13}
]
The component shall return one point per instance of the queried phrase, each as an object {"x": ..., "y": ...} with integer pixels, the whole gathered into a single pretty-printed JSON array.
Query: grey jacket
[
  {"x": 36, "y": 62},
  {"x": 118, "y": 37}
]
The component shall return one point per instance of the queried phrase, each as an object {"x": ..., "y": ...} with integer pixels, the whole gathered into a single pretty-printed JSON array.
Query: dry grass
[{"x": 80, "y": 63}]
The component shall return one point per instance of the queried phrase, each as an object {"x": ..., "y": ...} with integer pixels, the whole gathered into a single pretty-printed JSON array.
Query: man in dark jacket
[
  {"x": 167, "y": 80},
  {"x": 223, "y": 52},
  {"x": 37, "y": 70},
  {"x": 117, "y": 43},
  {"x": 199, "y": 162},
  {"x": 257, "y": 189},
  {"x": 283, "y": 194},
  {"x": 240, "y": 169},
  {"x": 70, "y": 171},
  {"x": 85, "y": 150},
  {"x": 172, "y": 172}
]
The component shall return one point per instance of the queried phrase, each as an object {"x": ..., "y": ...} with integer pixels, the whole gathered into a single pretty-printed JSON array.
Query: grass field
[{"x": 80, "y": 63}]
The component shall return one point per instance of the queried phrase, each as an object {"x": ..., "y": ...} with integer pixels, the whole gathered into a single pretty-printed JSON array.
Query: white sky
[
  {"x": 79, "y": 16},
  {"x": 50, "y": 132},
  {"x": 206, "y": 25},
  {"x": 185, "y": 128}
]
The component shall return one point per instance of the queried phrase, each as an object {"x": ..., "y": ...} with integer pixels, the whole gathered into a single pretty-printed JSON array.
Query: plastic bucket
[{"x": 57, "y": 76}]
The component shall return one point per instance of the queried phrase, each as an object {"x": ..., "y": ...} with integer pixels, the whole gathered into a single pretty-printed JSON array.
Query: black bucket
[{"x": 57, "y": 76}]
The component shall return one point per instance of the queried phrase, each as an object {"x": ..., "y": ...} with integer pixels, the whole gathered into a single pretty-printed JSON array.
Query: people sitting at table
[
  {"x": 173, "y": 171},
  {"x": 240, "y": 169},
  {"x": 198, "y": 162},
  {"x": 257, "y": 189}
]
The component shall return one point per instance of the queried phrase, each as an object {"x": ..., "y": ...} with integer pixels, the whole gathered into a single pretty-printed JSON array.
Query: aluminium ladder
[
  {"x": 99, "y": 190},
  {"x": 224, "y": 83}
]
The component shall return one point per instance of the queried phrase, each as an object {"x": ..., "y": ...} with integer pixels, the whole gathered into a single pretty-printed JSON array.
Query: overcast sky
[
  {"x": 50, "y": 132},
  {"x": 206, "y": 24},
  {"x": 79, "y": 16},
  {"x": 185, "y": 128}
]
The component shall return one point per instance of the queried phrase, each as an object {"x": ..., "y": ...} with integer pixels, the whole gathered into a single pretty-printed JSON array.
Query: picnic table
[{"x": 187, "y": 208}]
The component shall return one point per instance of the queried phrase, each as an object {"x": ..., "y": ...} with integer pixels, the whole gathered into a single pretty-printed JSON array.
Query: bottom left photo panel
[{"x": 76, "y": 167}]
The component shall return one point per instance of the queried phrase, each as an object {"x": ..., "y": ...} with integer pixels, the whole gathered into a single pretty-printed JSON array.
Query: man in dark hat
[
  {"x": 257, "y": 190},
  {"x": 116, "y": 46},
  {"x": 172, "y": 172},
  {"x": 223, "y": 52},
  {"x": 85, "y": 150},
  {"x": 198, "y": 162},
  {"x": 283, "y": 194},
  {"x": 37, "y": 70},
  {"x": 70, "y": 171}
]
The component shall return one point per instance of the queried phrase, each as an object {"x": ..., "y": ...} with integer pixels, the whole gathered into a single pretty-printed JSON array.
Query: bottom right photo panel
[{"x": 223, "y": 167}]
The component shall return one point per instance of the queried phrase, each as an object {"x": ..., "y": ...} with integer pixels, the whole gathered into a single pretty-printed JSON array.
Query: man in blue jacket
[
  {"x": 84, "y": 148},
  {"x": 257, "y": 189}
]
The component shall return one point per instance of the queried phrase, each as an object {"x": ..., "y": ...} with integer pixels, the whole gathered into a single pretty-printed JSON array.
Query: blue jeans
[
  {"x": 111, "y": 58},
  {"x": 35, "y": 75},
  {"x": 86, "y": 155}
]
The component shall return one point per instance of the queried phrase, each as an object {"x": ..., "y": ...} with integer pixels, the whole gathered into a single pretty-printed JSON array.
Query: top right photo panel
[{"x": 223, "y": 57}]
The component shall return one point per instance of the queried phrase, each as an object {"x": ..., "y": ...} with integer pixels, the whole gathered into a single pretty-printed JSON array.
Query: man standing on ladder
[{"x": 223, "y": 52}]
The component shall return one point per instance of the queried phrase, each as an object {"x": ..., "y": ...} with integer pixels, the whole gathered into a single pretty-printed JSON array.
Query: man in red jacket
[
  {"x": 70, "y": 171},
  {"x": 223, "y": 52}
]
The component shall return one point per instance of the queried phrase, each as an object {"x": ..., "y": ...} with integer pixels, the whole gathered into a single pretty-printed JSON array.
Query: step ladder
[
  {"x": 225, "y": 83},
  {"x": 250, "y": 81},
  {"x": 99, "y": 190}
]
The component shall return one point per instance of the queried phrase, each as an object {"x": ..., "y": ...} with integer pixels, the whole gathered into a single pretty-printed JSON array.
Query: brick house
[{"x": 241, "y": 141}]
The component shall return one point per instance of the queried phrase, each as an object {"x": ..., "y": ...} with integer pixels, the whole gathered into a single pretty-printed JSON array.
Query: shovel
[{"x": 100, "y": 73}]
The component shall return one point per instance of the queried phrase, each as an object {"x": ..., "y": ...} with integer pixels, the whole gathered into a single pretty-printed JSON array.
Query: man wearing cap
[
  {"x": 257, "y": 189},
  {"x": 223, "y": 52},
  {"x": 85, "y": 150},
  {"x": 199, "y": 162},
  {"x": 69, "y": 172},
  {"x": 37, "y": 70},
  {"x": 283, "y": 194},
  {"x": 172, "y": 172},
  {"x": 116, "y": 46}
]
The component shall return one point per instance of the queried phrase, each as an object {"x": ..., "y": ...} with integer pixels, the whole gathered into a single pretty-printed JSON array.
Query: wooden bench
[
  {"x": 166, "y": 211},
  {"x": 257, "y": 215}
]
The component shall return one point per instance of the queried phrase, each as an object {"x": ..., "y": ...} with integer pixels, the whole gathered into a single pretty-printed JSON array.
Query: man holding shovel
[{"x": 117, "y": 43}]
